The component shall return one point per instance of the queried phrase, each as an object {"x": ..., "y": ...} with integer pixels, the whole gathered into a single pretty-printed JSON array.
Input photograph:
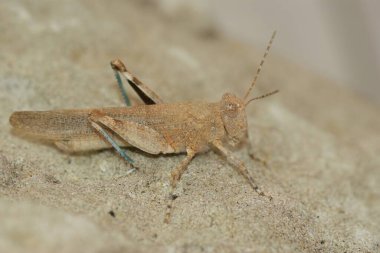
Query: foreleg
[{"x": 239, "y": 165}]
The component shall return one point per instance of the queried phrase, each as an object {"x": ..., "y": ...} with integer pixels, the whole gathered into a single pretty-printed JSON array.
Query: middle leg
[{"x": 175, "y": 177}]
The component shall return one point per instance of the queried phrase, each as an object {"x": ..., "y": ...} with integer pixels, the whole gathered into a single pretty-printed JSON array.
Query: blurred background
[
  {"x": 339, "y": 40},
  {"x": 321, "y": 142}
]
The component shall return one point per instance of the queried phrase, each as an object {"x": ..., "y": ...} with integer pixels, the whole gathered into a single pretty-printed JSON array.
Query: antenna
[
  {"x": 263, "y": 96},
  {"x": 261, "y": 65}
]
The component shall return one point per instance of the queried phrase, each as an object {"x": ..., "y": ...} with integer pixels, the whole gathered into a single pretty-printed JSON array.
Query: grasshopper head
[
  {"x": 234, "y": 118},
  {"x": 233, "y": 108}
]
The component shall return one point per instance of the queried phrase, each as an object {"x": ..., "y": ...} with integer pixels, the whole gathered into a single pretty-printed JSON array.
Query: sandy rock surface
[{"x": 321, "y": 143}]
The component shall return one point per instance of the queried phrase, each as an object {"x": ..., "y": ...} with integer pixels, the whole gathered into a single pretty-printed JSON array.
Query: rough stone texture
[{"x": 321, "y": 143}]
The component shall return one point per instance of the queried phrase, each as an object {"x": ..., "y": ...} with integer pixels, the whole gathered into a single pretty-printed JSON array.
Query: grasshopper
[{"x": 154, "y": 127}]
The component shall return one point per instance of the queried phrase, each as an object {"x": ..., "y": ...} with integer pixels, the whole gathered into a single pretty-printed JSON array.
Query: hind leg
[
  {"x": 73, "y": 146},
  {"x": 143, "y": 91}
]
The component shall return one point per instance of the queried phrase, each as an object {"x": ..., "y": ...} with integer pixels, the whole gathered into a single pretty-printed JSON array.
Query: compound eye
[
  {"x": 231, "y": 107},
  {"x": 231, "y": 110}
]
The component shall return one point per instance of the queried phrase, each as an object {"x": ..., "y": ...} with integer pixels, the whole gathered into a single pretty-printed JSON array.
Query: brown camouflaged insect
[{"x": 154, "y": 127}]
